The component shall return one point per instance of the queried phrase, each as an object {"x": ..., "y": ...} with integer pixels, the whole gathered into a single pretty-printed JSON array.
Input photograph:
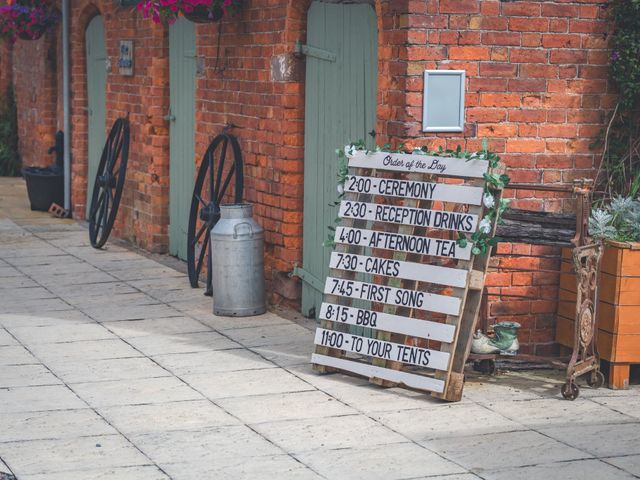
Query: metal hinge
[
  {"x": 315, "y": 52},
  {"x": 307, "y": 278}
]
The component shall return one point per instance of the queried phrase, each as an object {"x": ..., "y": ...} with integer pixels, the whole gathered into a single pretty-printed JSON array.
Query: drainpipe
[{"x": 65, "y": 101}]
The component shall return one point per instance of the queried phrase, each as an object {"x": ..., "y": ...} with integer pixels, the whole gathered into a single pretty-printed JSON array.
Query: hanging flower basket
[
  {"x": 27, "y": 19},
  {"x": 202, "y": 14},
  {"x": 198, "y": 11}
]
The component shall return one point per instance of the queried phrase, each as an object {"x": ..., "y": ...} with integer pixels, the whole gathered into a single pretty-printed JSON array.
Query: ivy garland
[{"x": 481, "y": 239}]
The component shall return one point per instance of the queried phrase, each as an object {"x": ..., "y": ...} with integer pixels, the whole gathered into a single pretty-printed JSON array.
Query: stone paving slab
[{"x": 148, "y": 384}]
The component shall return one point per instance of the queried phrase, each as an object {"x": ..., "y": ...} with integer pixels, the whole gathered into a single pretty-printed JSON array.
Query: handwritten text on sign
[
  {"x": 404, "y": 162},
  {"x": 441, "y": 332},
  {"x": 431, "y": 302},
  {"x": 419, "y": 217},
  {"x": 422, "y": 357},
  {"x": 392, "y": 187},
  {"x": 399, "y": 269},
  {"x": 403, "y": 243}
]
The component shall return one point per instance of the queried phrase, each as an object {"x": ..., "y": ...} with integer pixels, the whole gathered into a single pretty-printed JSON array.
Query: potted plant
[
  {"x": 615, "y": 216},
  {"x": 200, "y": 11},
  {"x": 27, "y": 19}
]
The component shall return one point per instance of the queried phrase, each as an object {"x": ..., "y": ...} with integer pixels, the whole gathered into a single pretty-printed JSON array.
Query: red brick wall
[
  {"x": 537, "y": 89},
  {"x": 6, "y": 68},
  {"x": 36, "y": 90},
  {"x": 143, "y": 213}
]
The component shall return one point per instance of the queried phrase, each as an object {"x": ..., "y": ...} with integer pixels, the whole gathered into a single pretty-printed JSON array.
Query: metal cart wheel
[
  {"x": 570, "y": 391},
  {"x": 109, "y": 182},
  {"x": 221, "y": 163},
  {"x": 596, "y": 379}
]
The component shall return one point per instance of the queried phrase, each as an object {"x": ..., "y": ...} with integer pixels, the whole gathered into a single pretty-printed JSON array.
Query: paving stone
[
  {"x": 550, "y": 411},
  {"x": 133, "y": 392},
  {"x": 17, "y": 281},
  {"x": 493, "y": 451},
  {"x": 272, "y": 466},
  {"x": 159, "y": 417},
  {"x": 246, "y": 382},
  {"x": 147, "y": 472},
  {"x": 628, "y": 404},
  {"x": 84, "y": 351},
  {"x": 460, "y": 476},
  {"x": 284, "y": 406},
  {"x": 204, "y": 445},
  {"x": 38, "y": 319},
  {"x": 137, "y": 312},
  {"x": 16, "y": 355},
  {"x": 45, "y": 456},
  {"x": 446, "y": 420},
  {"x": 156, "y": 326},
  {"x": 105, "y": 370},
  {"x": 23, "y": 426},
  {"x": 385, "y": 462},
  {"x": 599, "y": 440},
  {"x": 152, "y": 345},
  {"x": 206, "y": 363},
  {"x": 61, "y": 333},
  {"x": 4, "y": 469},
  {"x": 26, "y": 375},
  {"x": 269, "y": 335},
  {"x": 228, "y": 323},
  {"x": 372, "y": 398},
  {"x": 22, "y": 295},
  {"x": 287, "y": 354},
  {"x": 33, "y": 399},
  {"x": 39, "y": 305},
  {"x": 561, "y": 471},
  {"x": 350, "y": 431},
  {"x": 6, "y": 339},
  {"x": 628, "y": 463}
]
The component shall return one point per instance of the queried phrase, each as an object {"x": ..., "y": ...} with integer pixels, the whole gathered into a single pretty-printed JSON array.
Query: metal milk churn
[{"x": 237, "y": 262}]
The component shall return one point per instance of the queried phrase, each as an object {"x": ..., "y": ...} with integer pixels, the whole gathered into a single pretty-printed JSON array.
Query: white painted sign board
[{"x": 401, "y": 297}]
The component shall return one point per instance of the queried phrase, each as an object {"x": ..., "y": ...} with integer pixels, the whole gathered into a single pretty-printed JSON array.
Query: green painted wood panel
[
  {"x": 182, "y": 86},
  {"x": 340, "y": 106},
  {"x": 96, "y": 57}
]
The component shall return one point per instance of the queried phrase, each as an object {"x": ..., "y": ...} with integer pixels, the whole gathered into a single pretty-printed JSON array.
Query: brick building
[{"x": 536, "y": 88}]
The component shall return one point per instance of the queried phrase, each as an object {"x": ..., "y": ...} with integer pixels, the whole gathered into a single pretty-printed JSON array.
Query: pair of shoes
[{"x": 504, "y": 342}]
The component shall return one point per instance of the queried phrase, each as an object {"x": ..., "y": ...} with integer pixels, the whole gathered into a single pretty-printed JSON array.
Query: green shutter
[
  {"x": 340, "y": 106},
  {"x": 182, "y": 78},
  {"x": 96, "y": 56}
]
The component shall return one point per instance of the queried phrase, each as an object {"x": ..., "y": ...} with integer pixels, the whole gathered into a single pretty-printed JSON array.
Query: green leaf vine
[{"x": 495, "y": 181}]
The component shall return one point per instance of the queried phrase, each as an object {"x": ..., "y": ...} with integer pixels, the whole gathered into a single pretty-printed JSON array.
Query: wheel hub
[
  {"x": 210, "y": 214},
  {"x": 107, "y": 180}
]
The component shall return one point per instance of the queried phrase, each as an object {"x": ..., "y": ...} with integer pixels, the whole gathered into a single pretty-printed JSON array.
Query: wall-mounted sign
[
  {"x": 125, "y": 57},
  {"x": 443, "y": 101}
]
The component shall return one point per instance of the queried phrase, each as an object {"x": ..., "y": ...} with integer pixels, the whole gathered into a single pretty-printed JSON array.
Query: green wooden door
[
  {"x": 182, "y": 78},
  {"x": 340, "y": 106},
  {"x": 96, "y": 55}
]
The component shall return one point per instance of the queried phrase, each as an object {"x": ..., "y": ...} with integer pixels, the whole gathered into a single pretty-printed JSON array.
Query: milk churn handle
[{"x": 235, "y": 229}]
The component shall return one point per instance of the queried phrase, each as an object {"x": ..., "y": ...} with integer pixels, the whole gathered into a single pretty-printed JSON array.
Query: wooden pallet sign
[{"x": 402, "y": 299}]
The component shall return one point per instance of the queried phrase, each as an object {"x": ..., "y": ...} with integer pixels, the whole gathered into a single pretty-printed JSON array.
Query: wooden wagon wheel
[
  {"x": 213, "y": 180},
  {"x": 109, "y": 182}
]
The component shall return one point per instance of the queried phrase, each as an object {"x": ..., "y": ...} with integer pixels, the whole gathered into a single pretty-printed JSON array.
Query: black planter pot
[
  {"x": 202, "y": 14},
  {"x": 44, "y": 186}
]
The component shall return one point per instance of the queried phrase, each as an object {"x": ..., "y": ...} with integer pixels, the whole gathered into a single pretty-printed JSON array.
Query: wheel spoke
[
  {"x": 97, "y": 205},
  {"x": 106, "y": 210},
  {"x": 204, "y": 204},
  {"x": 102, "y": 211},
  {"x": 227, "y": 180},
  {"x": 203, "y": 251},
  {"x": 223, "y": 154},
  {"x": 199, "y": 234},
  {"x": 210, "y": 163}
]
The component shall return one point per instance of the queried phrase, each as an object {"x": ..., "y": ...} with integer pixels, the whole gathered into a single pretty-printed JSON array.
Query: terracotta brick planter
[{"x": 619, "y": 308}]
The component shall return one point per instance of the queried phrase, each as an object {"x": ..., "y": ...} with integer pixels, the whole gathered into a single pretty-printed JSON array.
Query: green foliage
[
  {"x": 619, "y": 172},
  {"x": 618, "y": 220},
  {"x": 9, "y": 157}
]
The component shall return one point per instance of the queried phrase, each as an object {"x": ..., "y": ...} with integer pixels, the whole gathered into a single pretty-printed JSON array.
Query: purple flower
[{"x": 615, "y": 55}]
